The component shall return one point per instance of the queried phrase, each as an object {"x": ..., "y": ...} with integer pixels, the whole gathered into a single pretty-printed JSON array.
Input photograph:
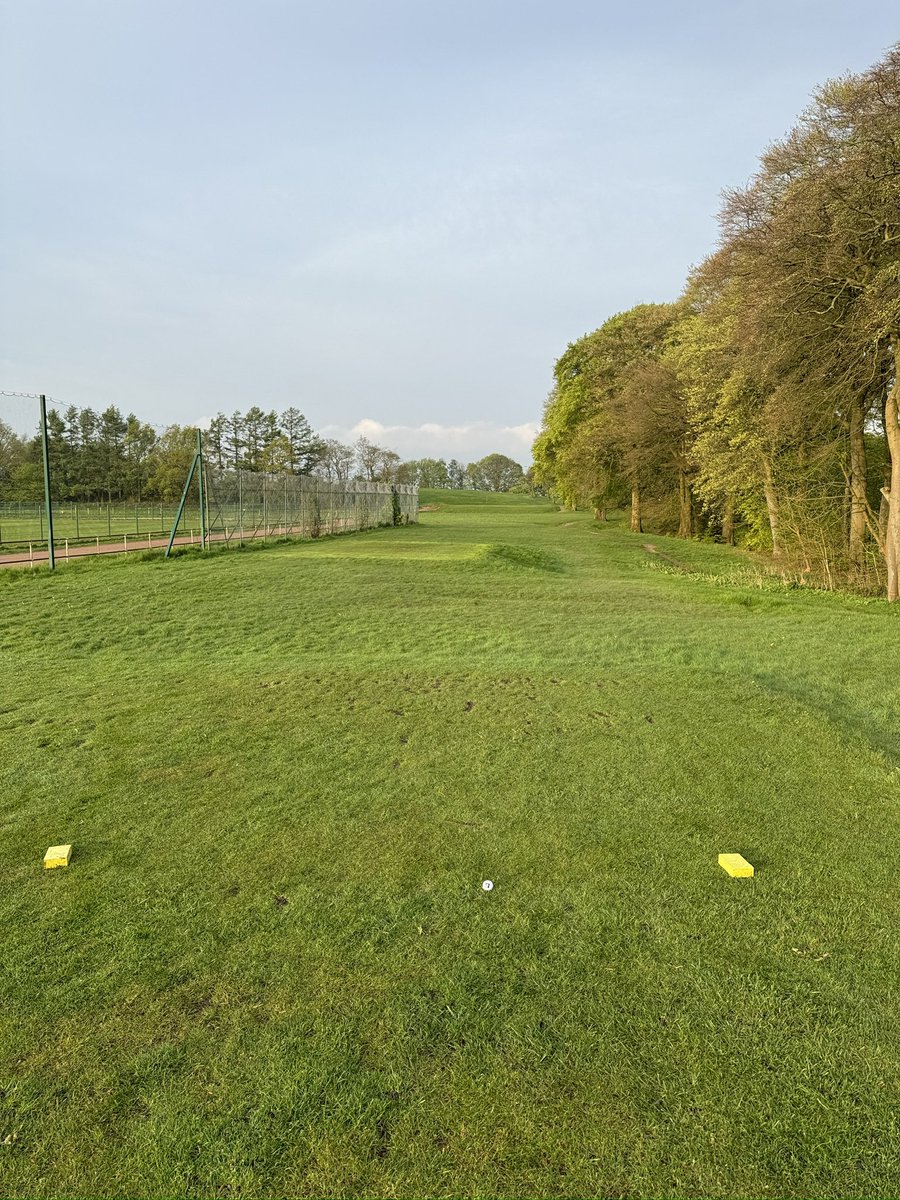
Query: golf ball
[{"x": 488, "y": 885}]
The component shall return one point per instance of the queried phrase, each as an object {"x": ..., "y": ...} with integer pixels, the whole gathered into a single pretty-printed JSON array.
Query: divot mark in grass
[
  {"x": 384, "y": 1138},
  {"x": 281, "y": 901}
]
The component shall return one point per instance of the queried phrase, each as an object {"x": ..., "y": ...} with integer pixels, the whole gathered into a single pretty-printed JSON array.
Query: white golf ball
[{"x": 488, "y": 885}]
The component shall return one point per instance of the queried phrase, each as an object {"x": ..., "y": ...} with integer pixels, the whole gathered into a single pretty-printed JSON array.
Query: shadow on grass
[
  {"x": 838, "y": 711},
  {"x": 498, "y": 554}
]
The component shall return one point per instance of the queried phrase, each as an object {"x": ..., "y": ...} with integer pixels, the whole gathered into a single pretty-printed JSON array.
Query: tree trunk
[
  {"x": 892, "y": 530},
  {"x": 728, "y": 522},
  {"x": 636, "y": 526},
  {"x": 772, "y": 506},
  {"x": 857, "y": 540},
  {"x": 599, "y": 514},
  {"x": 685, "y": 505},
  {"x": 884, "y": 507}
]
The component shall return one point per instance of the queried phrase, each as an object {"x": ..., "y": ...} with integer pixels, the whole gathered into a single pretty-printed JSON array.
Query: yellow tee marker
[
  {"x": 57, "y": 856},
  {"x": 736, "y": 866}
]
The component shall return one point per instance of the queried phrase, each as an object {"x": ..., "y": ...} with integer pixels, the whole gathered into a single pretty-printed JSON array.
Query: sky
[{"x": 393, "y": 215}]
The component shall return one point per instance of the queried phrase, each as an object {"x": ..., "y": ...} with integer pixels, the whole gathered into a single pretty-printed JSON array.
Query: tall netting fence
[
  {"x": 249, "y": 504},
  {"x": 24, "y": 516},
  {"x": 103, "y": 499},
  {"x": 92, "y": 508}
]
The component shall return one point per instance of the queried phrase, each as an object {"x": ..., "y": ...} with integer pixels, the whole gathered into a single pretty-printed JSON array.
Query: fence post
[
  {"x": 202, "y": 490},
  {"x": 241, "y": 502},
  {"x": 45, "y": 444},
  {"x": 181, "y": 503},
  {"x": 77, "y": 527}
]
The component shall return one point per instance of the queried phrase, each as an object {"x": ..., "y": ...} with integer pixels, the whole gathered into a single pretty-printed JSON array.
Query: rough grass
[{"x": 271, "y": 970}]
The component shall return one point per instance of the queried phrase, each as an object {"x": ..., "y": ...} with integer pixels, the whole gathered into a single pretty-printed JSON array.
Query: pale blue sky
[{"x": 391, "y": 214}]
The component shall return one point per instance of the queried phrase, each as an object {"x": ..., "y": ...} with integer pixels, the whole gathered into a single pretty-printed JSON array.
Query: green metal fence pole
[
  {"x": 181, "y": 506},
  {"x": 202, "y": 498},
  {"x": 45, "y": 444}
]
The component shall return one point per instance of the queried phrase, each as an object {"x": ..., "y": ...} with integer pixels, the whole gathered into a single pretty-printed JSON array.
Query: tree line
[
  {"x": 763, "y": 404},
  {"x": 110, "y": 457}
]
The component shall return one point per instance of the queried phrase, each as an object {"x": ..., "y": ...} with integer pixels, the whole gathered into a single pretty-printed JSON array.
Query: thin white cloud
[{"x": 434, "y": 440}]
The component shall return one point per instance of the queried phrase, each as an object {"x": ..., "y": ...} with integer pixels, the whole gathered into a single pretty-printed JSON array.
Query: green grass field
[{"x": 271, "y": 970}]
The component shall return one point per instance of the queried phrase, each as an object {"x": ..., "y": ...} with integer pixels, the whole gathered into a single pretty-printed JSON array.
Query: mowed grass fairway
[{"x": 271, "y": 970}]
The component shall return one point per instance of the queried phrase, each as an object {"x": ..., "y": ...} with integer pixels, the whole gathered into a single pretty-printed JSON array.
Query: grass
[{"x": 271, "y": 970}]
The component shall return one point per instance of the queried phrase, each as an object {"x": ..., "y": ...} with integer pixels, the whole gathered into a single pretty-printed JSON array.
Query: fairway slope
[{"x": 270, "y": 968}]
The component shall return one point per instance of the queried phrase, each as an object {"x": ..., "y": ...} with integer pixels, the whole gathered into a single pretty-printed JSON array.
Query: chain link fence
[
  {"x": 233, "y": 506},
  {"x": 250, "y": 504}
]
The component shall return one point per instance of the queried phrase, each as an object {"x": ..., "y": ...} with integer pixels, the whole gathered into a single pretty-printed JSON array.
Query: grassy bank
[{"x": 271, "y": 969}]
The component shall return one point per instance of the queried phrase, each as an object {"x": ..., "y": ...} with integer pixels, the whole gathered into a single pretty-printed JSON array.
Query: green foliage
[
  {"x": 494, "y": 473},
  {"x": 752, "y": 403},
  {"x": 264, "y": 441}
]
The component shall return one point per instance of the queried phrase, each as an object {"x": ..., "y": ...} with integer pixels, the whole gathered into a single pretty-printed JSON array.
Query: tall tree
[
  {"x": 816, "y": 237},
  {"x": 495, "y": 473},
  {"x": 336, "y": 460},
  {"x": 170, "y": 462},
  {"x": 13, "y": 453},
  {"x": 305, "y": 449}
]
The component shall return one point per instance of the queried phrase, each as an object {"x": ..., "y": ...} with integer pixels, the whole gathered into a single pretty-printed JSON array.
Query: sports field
[{"x": 271, "y": 970}]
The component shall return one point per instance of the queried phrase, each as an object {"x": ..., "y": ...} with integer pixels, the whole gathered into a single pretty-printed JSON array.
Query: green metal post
[
  {"x": 181, "y": 506},
  {"x": 202, "y": 500},
  {"x": 45, "y": 444}
]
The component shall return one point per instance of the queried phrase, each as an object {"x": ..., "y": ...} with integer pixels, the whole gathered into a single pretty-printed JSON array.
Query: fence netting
[
  {"x": 251, "y": 504},
  {"x": 134, "y": 504}
]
